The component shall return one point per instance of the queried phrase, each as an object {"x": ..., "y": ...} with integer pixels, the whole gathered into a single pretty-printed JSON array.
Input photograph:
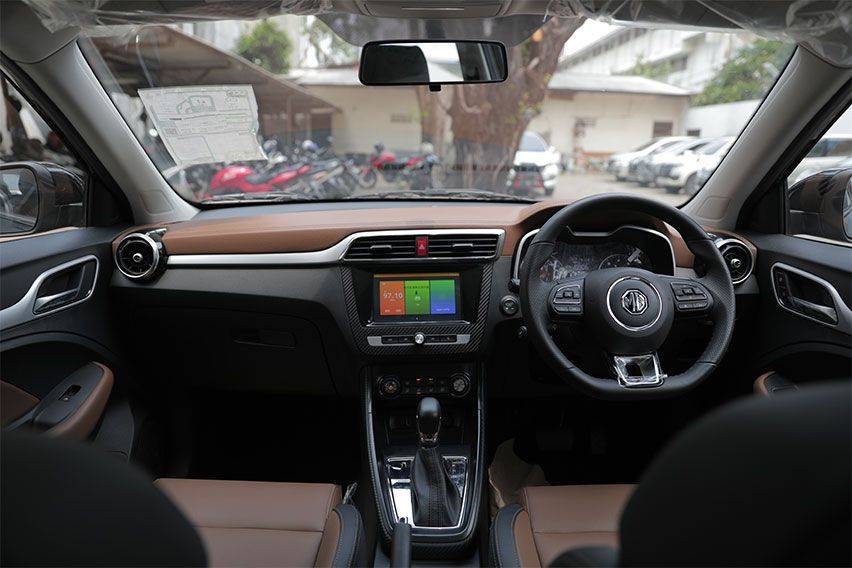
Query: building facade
[
  {"x": 586, "y": 117},
  {"x": 686, "y": 59}
]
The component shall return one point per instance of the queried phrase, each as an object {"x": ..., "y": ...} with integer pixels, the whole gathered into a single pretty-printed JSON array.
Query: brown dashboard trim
[{"x": 310, "y": 231}]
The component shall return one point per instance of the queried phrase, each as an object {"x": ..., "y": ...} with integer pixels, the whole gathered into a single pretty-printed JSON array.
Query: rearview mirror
[{"x": 425, "y": 62}]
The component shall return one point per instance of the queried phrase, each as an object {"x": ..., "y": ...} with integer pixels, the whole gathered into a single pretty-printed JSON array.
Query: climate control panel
[{"x": 456, "y": 384}]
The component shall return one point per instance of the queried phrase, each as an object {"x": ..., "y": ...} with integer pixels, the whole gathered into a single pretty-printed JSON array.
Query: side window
[
  {"x": 819, "y": 189},
  {"x": 42, "y": 184}
]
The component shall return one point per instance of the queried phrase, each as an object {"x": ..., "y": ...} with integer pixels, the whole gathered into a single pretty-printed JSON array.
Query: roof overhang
[{"x": 178, "y": 59}]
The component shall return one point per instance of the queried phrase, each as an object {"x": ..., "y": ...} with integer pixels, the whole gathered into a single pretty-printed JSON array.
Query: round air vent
[
  {"x": 737, "y": 258},
  {"x": 137, "y": 256}
]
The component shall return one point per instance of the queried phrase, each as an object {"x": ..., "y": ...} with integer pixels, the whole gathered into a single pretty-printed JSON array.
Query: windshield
[
  {"x": 713, "y": 147},
  {"x": 233, "y": 112},
  {"x": 531, "y": 143}
]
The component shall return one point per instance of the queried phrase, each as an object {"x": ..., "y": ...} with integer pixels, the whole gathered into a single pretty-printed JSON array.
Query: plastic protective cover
[
  {"x": 822, "y": 26},
  {"x": 100, "y": 17}
]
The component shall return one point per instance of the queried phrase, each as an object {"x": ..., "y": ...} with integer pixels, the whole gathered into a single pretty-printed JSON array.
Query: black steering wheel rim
[{"x": 536, "y": 296}]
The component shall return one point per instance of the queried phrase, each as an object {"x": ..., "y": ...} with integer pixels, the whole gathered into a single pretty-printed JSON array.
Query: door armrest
[{"x": 74, "y": 407}]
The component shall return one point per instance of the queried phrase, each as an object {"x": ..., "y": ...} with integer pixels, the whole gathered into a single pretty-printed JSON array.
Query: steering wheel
[{"x": 629, "y": 311}]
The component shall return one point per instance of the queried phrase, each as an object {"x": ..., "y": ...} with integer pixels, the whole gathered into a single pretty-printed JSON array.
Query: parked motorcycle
[
  {"x": 415, "y": 171},
  {"x": 304, "y": 169}
]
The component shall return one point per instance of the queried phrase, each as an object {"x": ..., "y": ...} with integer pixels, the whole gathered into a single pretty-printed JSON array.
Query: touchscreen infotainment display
[{"x": 416, "y": 297}]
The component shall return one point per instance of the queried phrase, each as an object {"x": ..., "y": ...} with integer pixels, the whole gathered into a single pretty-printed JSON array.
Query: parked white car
[
  {"x": 619, "y": 164},
  {"x": 682, "y": 171},
  {"x": 829, "y": 152},
  {"x": 646, "y": 171},
  {"x": 533, "y": 150}
]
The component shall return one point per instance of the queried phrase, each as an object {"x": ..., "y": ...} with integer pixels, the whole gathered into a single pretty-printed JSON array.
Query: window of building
[
  {"x": 678, "y": 63},
  {"x": 662, "y": 128},
  {"x": 693, "y": 132},
  {"x": 401, "y": 118}
]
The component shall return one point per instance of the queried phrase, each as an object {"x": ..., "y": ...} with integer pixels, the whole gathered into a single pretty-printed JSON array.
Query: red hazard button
[{"x": 422, "y": 246}]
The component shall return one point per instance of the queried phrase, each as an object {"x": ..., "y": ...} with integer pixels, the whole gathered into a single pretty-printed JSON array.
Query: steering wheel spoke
[
  {"x": 691, "y": 297},
  {"x": 638, "y": 371},
  {"x": 565, "y": 301}
]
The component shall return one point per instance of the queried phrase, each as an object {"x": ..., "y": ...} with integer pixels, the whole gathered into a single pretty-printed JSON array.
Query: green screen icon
[{"x": 416, "y": 297}]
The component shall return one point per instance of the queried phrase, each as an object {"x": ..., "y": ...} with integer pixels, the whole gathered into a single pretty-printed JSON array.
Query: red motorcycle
[
  {"x": 391, "y": 169},
  {"x": 243, "y": 179}
]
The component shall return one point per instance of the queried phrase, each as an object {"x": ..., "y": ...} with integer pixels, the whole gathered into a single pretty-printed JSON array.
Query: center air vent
[
  {"x": 463, "y": 246},
  {"x": 137, "y": 256},
  {"x": 424, "y": 246},
  {"x": 737, "y": 257}
]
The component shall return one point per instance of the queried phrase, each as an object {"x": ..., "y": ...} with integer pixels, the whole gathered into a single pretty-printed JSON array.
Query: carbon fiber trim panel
[{"x": 476, "y": 330}]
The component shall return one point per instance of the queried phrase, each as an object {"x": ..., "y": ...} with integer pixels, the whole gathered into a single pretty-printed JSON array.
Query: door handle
[
  {"x": 814, "y": 310},
  {"x": 25, "y": 309},
  {"x": 53, "y": 301},
  {"x": 788, "y": 283}
]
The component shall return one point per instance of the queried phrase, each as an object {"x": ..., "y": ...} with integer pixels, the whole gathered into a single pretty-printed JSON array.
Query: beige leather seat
[
  {"x": 552, "y": 519},
  {"x": 247, "y": 523}
]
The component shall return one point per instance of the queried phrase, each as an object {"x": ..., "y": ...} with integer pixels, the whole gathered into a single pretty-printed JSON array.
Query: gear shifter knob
[{"x": 428, "y": 421}]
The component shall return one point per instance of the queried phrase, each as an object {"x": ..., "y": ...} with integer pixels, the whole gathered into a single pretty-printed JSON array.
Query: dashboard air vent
[
  {"x": 382, "y": 247},
  {"x": 138, "y": 256},
  {"x": 424, "y": 246},
  {"x": 737, "y": 257},
  {"x": 462, "y": 246}
]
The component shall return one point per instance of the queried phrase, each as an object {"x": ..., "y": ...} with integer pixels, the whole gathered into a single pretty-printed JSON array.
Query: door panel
[
  {"x": 58, "y": 353},
  {"x": 791, "y": 339}
]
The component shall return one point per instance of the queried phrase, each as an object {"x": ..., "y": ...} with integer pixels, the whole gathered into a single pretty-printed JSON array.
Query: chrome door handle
[
  {"x": 838, "y": 315},
  {"x": 53, "y": 301},
  {"x": 812, "y": 309}
]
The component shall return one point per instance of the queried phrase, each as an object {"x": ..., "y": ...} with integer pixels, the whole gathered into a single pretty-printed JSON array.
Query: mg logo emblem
[{"x": 634, "y": 302}]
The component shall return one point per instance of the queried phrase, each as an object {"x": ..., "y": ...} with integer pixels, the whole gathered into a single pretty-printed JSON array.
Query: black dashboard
[{"x": 276, "y": 304}]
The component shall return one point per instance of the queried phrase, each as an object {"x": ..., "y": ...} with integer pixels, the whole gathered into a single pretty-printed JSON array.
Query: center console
[
  {"x": 430, "y": 477},
  {"x": 417, "y": 304}
]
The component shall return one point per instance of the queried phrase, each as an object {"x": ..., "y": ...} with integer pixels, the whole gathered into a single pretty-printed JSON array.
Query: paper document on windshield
[{"x": 205, "y": 124}]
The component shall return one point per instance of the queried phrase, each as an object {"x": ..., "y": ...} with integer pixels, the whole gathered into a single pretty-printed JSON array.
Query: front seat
[
  {"x": 69, "y": 504},
  {"x": 762, "y": 481},
  {"x": 251, "y": 523}
]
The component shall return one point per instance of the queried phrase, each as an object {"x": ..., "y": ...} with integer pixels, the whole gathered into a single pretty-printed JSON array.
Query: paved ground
[{"x": 575, "y": 186}]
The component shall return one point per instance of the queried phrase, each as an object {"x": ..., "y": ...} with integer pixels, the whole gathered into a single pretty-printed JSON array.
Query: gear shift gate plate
[{"x": 398, "y": 470}]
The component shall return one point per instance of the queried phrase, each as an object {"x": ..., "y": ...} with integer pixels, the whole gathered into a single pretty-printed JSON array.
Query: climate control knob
[
  {"x": 419, "y": 338},
  {"x": 389, "y": 386},
  {"x": 459, "y": 384}
]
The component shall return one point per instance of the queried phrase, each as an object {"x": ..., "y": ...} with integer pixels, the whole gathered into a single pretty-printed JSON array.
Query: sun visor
[{"x": 821, "y": 26}]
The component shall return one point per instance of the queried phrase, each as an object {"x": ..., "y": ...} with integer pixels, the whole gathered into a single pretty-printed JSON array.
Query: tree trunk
[
  {"x": 433, "y": 116},
  {"x": 488, "y": 120}
]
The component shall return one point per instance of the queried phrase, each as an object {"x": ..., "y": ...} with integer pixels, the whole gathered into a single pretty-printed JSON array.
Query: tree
[
  {"x": 266, "y": 45},
  {"x": 325, "y": 46},
  {"x": 656, "y": 71},
  {"x": 749, "y": 75},
  {"x": 488, "y": 120}
]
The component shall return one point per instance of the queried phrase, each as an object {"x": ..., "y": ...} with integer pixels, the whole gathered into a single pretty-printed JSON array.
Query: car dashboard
[{"x": 290, "y": 298}]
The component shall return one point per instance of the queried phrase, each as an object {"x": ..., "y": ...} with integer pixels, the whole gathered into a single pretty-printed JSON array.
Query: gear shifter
[{"x": 435, "y": 499}]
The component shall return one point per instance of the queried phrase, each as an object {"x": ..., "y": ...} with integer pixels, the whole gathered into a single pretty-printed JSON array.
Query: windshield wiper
[
  {"x": 264, "y": 197},
  {"x": 472, "y": 194}
]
